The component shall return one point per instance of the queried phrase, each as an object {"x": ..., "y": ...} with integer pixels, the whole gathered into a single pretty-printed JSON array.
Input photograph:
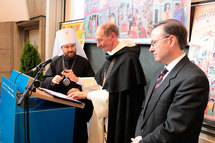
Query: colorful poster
[
  {"x": 134, "y": 18},
  {"x": 202, "y": 49},
  {"x": 78, "y": 26}
]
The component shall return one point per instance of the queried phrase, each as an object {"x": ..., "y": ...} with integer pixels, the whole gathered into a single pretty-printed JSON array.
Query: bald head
[
  {"x": 108, "y": 28},
  {"x": 107, "y": 36}
]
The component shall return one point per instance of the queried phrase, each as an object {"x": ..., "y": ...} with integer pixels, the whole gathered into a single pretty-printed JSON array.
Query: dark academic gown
[
  {"x": 81, "y": 68},
  {"x": 125, "y": 85}
]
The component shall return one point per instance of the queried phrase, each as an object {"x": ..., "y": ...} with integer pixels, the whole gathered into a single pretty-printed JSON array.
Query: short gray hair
[
  {"x": 109, "y": 27},
  {"x": 176, "y": 28}
]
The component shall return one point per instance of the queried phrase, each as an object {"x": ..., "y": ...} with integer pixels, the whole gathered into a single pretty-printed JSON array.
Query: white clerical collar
[
  {"x": 122, "y": 44},
  {"x": 173, "y": 63},
  {"x": 170, "y": 66}
]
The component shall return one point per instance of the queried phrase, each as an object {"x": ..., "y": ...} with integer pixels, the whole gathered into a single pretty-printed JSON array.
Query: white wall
[{"x": 74, "y": 10}]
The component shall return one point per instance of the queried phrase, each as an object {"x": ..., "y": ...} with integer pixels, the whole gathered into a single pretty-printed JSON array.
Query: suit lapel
[
  {"x": 150, "y": 90},
  {"x": 165, "y": 84}
]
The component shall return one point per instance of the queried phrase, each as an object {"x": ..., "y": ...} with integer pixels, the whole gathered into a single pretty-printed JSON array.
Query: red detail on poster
[{"x": 124, "y": 27}]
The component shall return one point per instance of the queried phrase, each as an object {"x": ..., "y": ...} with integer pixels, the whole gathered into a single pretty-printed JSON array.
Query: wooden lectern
[
  {"x": 21, "y": 78},
  {"x": 42, "y": 95}
]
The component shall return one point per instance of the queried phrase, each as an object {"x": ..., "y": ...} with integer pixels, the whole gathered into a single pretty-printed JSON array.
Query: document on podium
[{"x": 60, "y": 95}]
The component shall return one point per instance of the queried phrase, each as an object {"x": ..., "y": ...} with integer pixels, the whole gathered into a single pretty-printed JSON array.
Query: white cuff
[
  {"x": 79, "y": 81},
  {"x": 89, "y": 84},
  {"x": 138, "y": 138}
]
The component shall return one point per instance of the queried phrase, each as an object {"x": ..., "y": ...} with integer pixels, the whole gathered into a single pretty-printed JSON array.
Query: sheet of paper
[{"x": 58, "y": 94}]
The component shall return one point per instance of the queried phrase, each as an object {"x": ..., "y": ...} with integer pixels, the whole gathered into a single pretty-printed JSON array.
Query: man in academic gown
[
  {"x": 118, "y": 99},
  {"x": 174, "y": 107},
  {"x": 73, "y": 58}
]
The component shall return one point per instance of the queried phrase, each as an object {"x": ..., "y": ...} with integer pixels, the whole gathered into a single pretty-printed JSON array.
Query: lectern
[{"x": 51, "y": 119}]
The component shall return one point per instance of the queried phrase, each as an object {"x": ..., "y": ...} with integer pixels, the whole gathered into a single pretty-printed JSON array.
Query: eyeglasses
[
  {"x": 154, "y": 42},
  {"x": 102, "y": 39}
]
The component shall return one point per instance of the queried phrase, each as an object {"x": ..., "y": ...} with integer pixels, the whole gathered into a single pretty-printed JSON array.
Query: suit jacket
[{"x": 176, "y": 109}]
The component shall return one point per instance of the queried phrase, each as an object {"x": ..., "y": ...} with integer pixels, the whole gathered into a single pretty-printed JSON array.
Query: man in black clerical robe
[
  {"x": 123, "y": 79},
  {"x": 54, "y": 80},
  {"x": 126, "y": 93}
]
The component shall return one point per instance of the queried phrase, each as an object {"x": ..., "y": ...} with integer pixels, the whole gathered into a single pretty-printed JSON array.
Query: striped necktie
[
  {"x": 159, "y": 81},
  {"x": 160, "y": 78}
]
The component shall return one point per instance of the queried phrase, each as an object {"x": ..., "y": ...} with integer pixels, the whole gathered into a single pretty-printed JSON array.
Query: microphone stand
[{"x": 26, "y": 96}]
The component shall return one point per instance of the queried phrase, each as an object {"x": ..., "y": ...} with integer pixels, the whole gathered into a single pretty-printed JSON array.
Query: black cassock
[
  {"x": 125, "y": 85},
  {"x": 81, "y": 68}
]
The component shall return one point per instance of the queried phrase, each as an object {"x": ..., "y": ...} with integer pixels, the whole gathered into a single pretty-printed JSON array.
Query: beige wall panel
[
  {"x": 5, "y": 59},
  {"x": 5, "y": 28},
  {"x": 42, "y": 34},
  {"x": 6, "y": 48},
  {"x": 6, "y": 35},
  {"x": 36, "y": 7},
  {"x": 43, "y": 5},
  {"x": 6, "y": 42},
  {"x": 18, "y": 47}
]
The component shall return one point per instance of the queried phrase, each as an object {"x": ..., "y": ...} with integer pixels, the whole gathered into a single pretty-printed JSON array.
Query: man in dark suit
[{"x": 173, "y": 109}]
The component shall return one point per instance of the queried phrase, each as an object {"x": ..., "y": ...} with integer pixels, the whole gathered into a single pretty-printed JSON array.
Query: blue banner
[{"x": 8, "y": 110}]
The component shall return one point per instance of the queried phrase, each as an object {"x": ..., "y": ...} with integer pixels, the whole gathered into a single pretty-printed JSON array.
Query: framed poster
[
  {"x": 134, "y": 18},
  {"x": 202, "y": 51},
  {"x": 78, "y": 26}
]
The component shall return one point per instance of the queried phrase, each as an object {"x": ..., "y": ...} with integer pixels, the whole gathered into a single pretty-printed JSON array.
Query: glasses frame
[
  {"x": 102, "y": 39},
  {"x": 154, "y": 42}
]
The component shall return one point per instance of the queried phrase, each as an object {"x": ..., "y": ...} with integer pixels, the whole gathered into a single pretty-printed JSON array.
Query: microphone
[{"x": 43, "y": 64}]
